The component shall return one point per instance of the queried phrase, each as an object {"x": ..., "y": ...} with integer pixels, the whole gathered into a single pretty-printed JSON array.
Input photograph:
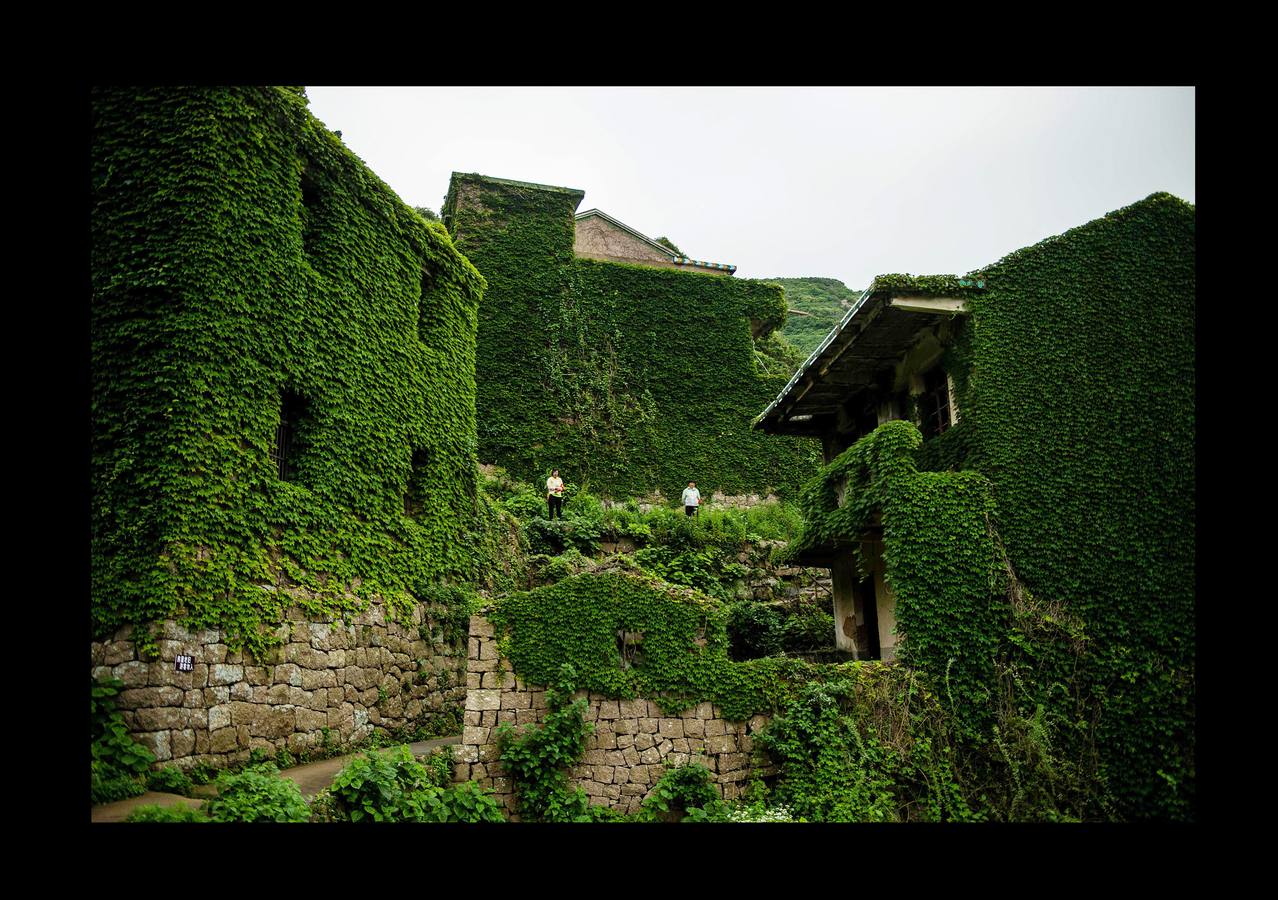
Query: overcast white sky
[{"x": 845, "y": 183}]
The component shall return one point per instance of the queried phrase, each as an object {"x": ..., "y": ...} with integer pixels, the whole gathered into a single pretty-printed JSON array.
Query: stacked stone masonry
[
  {"x": 327, "y": 681},
  {"x": 633, "y": 742}
]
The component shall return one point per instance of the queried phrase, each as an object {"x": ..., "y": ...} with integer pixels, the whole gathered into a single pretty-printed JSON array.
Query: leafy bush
[
  {"x": 810, "y": 627},
  {"x": 178, "y": 812},
  {"x": 257, "y": 794},
  {"x": 688, "y": 790},
  {"x": 394, "y": 787},
  {"x": 118, "y": 762},
  {"x": 538, "y": 759},
  {"x": 170, "y": 780},
  {"x": 755, "y": 630}
]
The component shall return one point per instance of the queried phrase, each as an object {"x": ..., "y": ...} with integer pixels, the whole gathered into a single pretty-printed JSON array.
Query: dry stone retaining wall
[
  {"x": 633, "y": 740},
  {"x": 346, "y": 679}
]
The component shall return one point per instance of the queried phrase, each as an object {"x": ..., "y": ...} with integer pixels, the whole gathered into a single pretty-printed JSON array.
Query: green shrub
[
  {"x": 257, "y": 794},
  {"x": 810, "y": 627},
  {"x": 178, "y": 812},
  {"x": 170, "y": 780},
  {"x": 687, "y": 793},
  {"x": 394, "y": 787},
  {"x": 754, "y": 629},
  {"x": 118, "y": 763}
]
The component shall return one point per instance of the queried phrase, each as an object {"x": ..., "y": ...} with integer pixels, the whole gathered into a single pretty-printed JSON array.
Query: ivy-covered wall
[
  {"x": 1076, "y": 384},
  {"x": 626, "y": 378},
  {"x": 241, "y": 253},
  {"x": 1047, "y": 573}
]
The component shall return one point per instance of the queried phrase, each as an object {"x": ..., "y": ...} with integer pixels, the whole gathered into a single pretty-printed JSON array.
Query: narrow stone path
[{"x": 310, "y": 780}]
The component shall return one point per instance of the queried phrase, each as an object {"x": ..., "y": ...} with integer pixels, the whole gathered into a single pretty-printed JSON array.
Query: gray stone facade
[
  {"x": 632, "y": 745},
  {"x": 327, "y": 680}
]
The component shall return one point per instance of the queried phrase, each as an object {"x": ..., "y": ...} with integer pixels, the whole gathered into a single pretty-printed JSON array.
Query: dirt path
[{"x": 310, "y": 780}]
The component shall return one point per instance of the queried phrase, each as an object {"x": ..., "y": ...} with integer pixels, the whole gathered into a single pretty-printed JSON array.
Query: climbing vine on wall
[
  {"x": 625, "y": 377},
  {"x": 241, "y": 254}
]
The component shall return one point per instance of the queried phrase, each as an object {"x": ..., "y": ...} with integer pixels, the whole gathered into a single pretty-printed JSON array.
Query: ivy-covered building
[
  {"x": 1049, "y": 470},
  {"x": 625, "y": 364},
  {"x": 282, "y": 393}
]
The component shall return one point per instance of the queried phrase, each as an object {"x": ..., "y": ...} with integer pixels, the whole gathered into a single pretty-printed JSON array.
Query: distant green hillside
[{"x": 824, "y": 299}]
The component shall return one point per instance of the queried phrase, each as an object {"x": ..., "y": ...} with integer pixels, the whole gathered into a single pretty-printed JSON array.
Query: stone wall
[
  {"x": 632, "y": 744},
  {"x": 327, "y": 678}
]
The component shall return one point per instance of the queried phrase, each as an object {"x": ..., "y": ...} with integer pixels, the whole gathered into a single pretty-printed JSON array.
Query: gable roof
[{"x": 676, "y": 258}]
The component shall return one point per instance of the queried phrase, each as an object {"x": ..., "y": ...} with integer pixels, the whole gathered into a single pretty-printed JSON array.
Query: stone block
[
  {"x": 488, "y": 650},
  {"x": 472, "y": 648},
  {"x": 481, "y": 627},
  {"x": 466, "y": 753},
  {"x": 475, "y": 735},
  {"x": 680, "y": 745},
  {"x": 214, "y": 654},
  {"x": 202, "y": 742},
  {"x": 714, "y": 728},
  {"x": 116, "y": 652},
  {"x": 101, "y": 673},
  {"x": 633, "y": 789},
  {"x": 650, "y": 756},
  {"x": 288, "y": 673},
  {"x": 483, "y": 700},
  {"x": 490, "y": 680},
  {"x": 242, "y": 690},
  {"x": 516, "y": 700},
  {"x": 134, "y": 674},
  {"x": 606, "y": 740},
  {"x": 608, "y": 710},
  {"x": 310, "y": 719},
  {"x": 724, "y": 743},
  {"x": 625, "y": 740},
  {"x": 757, "y": 723},
  {"x": 318, "y": 678},
  {"x": 621, "y": 775},
  {"x": 488, "y": 717},
  {"x": 632, "y": 709},
  {"x": 648, "y": 725},
  {"x": 193, "y": 699},
  {"x": 158, "y": 743},
  {"x": 732, "y": 762},
  {"x": 222, "y": 674},
  {"x": 670, "y": 728},
  {"x": 525, "y": 716},
  {"x": 163, "y": 718},
  {"x": 665, "y": 747},
  {"x": 222, "y": 741},
  {"x": 594, "y": 757},
  {"x": 677, "y": 759},
  {"x": 182, "y": 742},
  {"x": 643, "y": 741},
  {"x": 482, "y": 665},
  {"x": 274, "y": 722}
]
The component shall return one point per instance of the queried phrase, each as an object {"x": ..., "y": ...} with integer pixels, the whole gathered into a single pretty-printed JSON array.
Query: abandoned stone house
[{"x": 1047, "y": 346}]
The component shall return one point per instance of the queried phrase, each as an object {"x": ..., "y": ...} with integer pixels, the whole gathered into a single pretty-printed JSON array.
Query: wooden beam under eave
[{"x": 935, "y": 305}]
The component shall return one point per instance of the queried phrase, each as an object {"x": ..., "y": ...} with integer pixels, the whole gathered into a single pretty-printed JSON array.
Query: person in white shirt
[
  {"x": 691, "y": 499},
  {"x": 555, "y": 494}
]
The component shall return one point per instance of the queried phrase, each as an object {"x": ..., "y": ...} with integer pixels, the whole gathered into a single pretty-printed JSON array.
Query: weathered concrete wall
[
  {"x": 599, "y": 239},
  {"x": 633, "y": 742},
  {"x": 326, "y": 676}
]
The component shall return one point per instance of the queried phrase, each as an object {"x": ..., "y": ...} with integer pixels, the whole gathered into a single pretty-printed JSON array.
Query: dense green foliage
[
  {"x": 117, "y": 761},
  {"x": 242, "y": 255},
  {"x": 1055, "y": 624},
  {"x": 170, "y": 780},
  {"x": 626, "y": 378},
  {"x": 629, "y": 635},
  {"x": 394, "y": 787},
  {"x": 257, "y": 794},
  {"x": 178, "y": 812},
  {"x": 1076, "y": 381},
  {"x": 825, "y": 300}
]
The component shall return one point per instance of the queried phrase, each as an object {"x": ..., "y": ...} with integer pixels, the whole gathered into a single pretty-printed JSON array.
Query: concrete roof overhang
[{"x": 867, "y": 343}]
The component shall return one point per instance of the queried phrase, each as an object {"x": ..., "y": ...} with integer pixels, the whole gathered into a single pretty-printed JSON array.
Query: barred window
[{"x": 293, "y": 409}]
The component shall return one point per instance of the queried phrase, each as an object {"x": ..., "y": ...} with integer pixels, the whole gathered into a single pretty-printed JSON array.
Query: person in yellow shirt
[{"x": 555, "y": 494}]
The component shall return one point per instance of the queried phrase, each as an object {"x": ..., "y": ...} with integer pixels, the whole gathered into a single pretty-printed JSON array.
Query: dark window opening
[
  {"x": 286, "y": 448},
  {"x": 630, "y": 648},
  {"x": 934, "y": 403},
  {"x": 415, "y": 496}
]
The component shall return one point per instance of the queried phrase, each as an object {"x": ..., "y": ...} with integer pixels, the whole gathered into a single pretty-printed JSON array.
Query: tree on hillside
[
  {"x": 426, "y": 213},
  {"x": 669, "y": 244}
]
